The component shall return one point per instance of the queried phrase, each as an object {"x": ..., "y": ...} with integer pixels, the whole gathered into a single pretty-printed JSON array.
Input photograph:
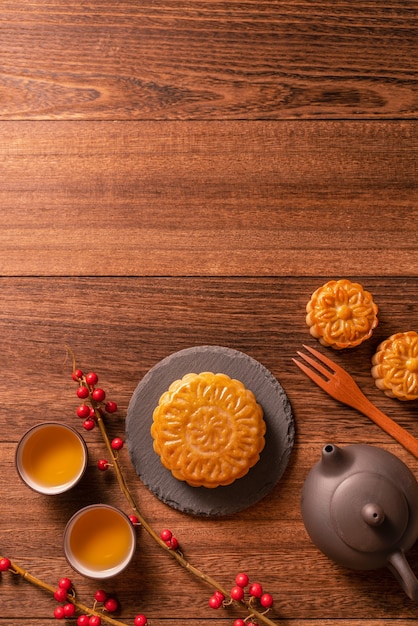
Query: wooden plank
[
  {"x": 177, "y": 198},
  {"x": 126, "y": 325},
  {"x": 208, "y": 60}
]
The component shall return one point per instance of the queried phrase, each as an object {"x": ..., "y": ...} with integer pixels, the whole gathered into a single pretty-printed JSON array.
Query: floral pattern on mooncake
[
  {"x": 395, "y": 366},
  {"x": 208, "y": 429},
  {"x": 341, "y": 314}
]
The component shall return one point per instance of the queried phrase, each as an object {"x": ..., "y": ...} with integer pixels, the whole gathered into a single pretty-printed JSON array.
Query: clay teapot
[{"x": 360, "y": 508}]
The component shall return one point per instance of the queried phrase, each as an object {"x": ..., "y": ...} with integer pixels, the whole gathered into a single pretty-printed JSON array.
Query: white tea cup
[
  {"x": 51, "y": 457},
  {"x": 99, "y": 541}
]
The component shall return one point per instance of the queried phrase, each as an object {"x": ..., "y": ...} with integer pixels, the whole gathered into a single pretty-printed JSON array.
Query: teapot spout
[
  {"x": 333, "y": 458},
  {"x": 403, "y": 573}
]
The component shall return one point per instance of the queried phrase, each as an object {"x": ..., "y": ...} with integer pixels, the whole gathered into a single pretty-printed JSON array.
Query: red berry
[
  {"x": 215, "y": 602},
  {"x": 82, "y": 392},
  {"x": 266, "y": 600},
  {"x": 94, "y": 620},
  {"x": 69, "y": 609},
  {"x": 102, "y": 464},
  {"x": 256, "y": 590},
  {"x": 89, "y": 424},
  {"x": 242, "y": 579},
  {"x": 98, "y": 395},
  {"x": 111, "y": 605},
  {"x": 5, "y": 564},
  {"x": 173, "y": 544},
  {"x": 59, "y": 612},
  {"x": 111, "y": 407},
  {"x": 83, "y": 620},
  {"x": 100, "y": 595},
  {"x": 134, "y": 520},
  {"x": 83, "y": 411},
  {"x": 140, "y": 620},
  {"x": 60, "y": 594},
  {"x": 117, "y": 443},
  {"x": 77, "y": 375},
  {"x": 237, "y": 593},
  {"x": 166, "y": 534},
  {"x": 91, "y": 379},
  {"x": 239, "y": 622},
  {"x": 65, "y": 583},
  {"x": 220, "y": 595}
]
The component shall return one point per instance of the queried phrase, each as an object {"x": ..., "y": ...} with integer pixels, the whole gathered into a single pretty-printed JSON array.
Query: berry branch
[
  {"x": 88, "y": 391},
  {"x": 65, "y": 593}
]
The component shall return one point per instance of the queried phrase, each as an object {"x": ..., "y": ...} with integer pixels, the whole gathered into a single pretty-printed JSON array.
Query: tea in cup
[
  {"x": 51, "y": 457},
  {"x": 99, "y": 541}
]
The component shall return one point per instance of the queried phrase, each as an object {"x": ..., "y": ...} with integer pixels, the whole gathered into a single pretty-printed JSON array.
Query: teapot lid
[{"x": 369, "y": 512}]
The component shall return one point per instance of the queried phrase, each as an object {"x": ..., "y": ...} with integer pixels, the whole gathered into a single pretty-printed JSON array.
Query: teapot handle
[{"x": 403, "y": 573}]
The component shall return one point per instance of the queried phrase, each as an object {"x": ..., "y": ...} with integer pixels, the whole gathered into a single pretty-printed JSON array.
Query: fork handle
[{"x": 393, "y": 429}]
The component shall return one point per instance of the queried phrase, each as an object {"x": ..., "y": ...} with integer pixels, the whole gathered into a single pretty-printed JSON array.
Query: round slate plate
[{"x": 279, "y": 436}]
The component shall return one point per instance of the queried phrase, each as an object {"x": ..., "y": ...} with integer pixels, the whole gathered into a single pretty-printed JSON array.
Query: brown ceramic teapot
[{"x": 360, "y": 508}]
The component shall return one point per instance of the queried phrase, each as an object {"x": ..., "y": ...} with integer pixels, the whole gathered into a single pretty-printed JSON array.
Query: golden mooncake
[
  {"x": 208, "y": 429},
  {"x": 395, "y": 366},
  {"x": 341, "y": 314}
]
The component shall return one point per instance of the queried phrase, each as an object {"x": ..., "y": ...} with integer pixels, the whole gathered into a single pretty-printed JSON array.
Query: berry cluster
[
  {"x": 169, "y": 540},
  {"x": 95, "y": 396},
  {"x": 69, "y": 606},
  {"x": 65, "y": 593},
  {"x": 109, "y": 604},
  {"x": 257, "y": 597}
]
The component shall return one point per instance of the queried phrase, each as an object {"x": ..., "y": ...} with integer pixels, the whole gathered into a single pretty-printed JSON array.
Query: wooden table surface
[{"x": 182, "y": 173}]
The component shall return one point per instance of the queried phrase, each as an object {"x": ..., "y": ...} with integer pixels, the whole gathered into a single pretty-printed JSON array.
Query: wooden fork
[{"x": 340, "y": 385}]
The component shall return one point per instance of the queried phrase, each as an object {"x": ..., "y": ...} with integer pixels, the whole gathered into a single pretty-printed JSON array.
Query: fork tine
[
  {"x": 317, "y": 366},
  {"x": 312, "y": 375},
  {"x": 326, "y": 360}
]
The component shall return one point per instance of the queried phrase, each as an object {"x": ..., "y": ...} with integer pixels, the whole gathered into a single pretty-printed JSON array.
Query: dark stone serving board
[{"x": 245, "y": 491}]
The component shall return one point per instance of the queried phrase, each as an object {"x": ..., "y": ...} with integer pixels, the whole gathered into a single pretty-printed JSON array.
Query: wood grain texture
[
  {"x": 195, "y": 198},
  {"x": 208, "y": 60},
  {"x": 123, "y": 326}
]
